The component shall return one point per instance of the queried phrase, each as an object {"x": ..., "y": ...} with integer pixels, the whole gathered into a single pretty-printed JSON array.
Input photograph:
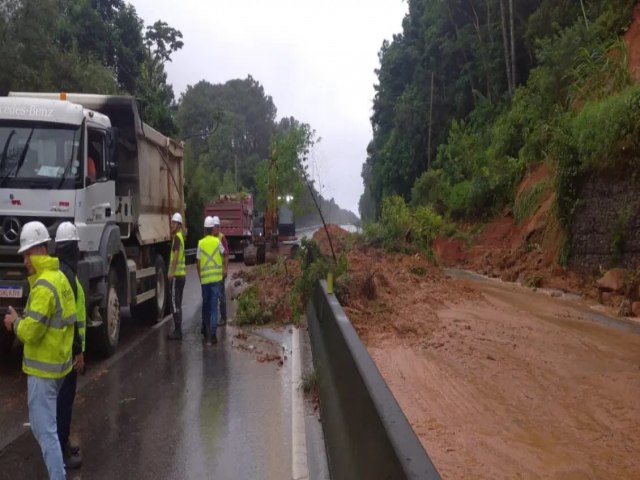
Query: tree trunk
[
  {"x": 505, "y": 41},
  {"x": 464, "y": 55},
  {"x": 430, "y": 123},
  {"x": 513, "y": 48}
]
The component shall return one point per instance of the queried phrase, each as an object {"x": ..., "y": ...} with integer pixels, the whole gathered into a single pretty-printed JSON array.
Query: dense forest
[
  {"x": 473, "y": 93},
  {"x": 229, "y": 130}
]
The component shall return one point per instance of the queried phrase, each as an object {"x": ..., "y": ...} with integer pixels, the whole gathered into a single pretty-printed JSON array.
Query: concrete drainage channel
[{"x": 366, "y": 433}]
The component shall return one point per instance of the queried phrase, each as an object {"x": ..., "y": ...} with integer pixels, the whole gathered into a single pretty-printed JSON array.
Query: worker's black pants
[
  {"x": 177, "y": 287},
  {"x": 223, "y": 300},
  {"x": 66, "y": 396}
]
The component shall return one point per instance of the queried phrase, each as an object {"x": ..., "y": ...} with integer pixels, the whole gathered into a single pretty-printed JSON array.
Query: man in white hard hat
[
  {"x": 68, "y": 254},
  {"x": 46, "y": 330},
  {"x": 217, "y": 232},
  {"x": 177, "y": 275},
  {"x": 211, "y": 272}
]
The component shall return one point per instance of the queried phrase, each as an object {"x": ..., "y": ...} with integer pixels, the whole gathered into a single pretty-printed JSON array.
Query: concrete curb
[{"x": 300, "y": 468}]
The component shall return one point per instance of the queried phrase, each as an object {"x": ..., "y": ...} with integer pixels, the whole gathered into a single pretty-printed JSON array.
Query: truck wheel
[
  {"x": 153, "y": 310},
  {"x": 109, "y": 332},
  {"x": 6, "y": 341}
]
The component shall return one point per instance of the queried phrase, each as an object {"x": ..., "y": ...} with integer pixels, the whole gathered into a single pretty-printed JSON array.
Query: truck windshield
[{"x": 40, "y": 156}]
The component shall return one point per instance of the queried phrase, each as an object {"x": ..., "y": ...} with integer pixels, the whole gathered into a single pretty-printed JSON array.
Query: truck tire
[
  {"x": 108, "y": 333},
  {"x": 6, "y": 341},
  {"x": 153, "y": 310}
]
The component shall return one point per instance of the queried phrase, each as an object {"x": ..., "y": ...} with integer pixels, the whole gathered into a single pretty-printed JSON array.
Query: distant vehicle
[
  {"x": 236, "y": 220},
  {"x": 91, "y": 160},
  {"x": 275, "y": 236}
]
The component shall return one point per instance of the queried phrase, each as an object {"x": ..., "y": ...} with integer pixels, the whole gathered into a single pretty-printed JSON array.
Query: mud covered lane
[{"x": 513, "y": 384}]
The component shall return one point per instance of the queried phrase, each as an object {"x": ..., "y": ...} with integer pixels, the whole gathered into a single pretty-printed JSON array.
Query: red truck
[{"x": 236, "y": 219}]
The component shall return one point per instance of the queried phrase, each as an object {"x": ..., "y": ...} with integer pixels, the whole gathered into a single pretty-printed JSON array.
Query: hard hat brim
[{"x": 27, "y": 247}]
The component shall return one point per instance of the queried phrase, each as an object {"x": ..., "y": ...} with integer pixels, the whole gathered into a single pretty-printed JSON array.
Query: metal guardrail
[{"x": 366, "y": 433}]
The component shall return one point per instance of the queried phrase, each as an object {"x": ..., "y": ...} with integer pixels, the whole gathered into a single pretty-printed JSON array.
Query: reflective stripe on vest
[
  {"x": 58, "y": 321},
  {"x": 54, "y": 368},
  {"x": 181, "y": 269},
  {"x": 211, "y": 268}
]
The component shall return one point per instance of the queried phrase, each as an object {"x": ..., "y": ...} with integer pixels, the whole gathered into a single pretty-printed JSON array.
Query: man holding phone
[{"x": 46, "y": 330}]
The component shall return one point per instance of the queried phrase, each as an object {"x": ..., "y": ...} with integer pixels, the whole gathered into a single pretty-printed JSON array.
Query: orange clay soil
[{"x": 499, "y": 381}]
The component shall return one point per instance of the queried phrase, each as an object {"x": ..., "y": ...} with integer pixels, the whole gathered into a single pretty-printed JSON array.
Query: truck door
[{"x": 98, "y": 206}]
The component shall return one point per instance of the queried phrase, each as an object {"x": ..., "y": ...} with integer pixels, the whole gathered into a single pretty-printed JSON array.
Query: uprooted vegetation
[
  {"x": 279, "y": 292},
  {"x": 378, "y": 288}
]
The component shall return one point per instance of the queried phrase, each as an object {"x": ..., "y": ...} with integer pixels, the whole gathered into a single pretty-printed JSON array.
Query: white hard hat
[
  {"x": 177, "y": 218},
  {"x": 208, "y": 222},
  {"x": 32, "y": 235},
  {"x": 67, "y": 232},
  {"x": 216, "y": 220}
]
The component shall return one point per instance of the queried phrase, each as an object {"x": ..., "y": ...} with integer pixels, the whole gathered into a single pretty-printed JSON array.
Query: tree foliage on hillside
[
  {"x": 473, "y": 91},
  {"x": 88, "y": 46}
]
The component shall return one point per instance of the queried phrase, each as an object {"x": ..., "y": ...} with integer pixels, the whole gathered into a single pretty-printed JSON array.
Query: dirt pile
[
  {"x": 340, "y": 239},
  {"x": 525, "y": 252},
  {"x": 396, "y": 295}
]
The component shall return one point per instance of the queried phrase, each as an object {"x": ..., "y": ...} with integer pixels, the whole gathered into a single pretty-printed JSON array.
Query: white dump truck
[{"x": 90, "y": 159}]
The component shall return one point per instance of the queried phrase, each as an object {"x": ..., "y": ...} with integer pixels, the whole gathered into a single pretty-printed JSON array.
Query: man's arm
[
  {"x": 198, "y": 262},
  {"x": 37, "y": 316},
  {"x": 176, "y": 251},
  {"x": 225, "y": 254}
]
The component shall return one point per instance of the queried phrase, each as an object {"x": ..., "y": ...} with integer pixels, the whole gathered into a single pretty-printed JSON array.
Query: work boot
[
  {"x": 71, "y": 460},
  {"x": 175, "y": 335}
]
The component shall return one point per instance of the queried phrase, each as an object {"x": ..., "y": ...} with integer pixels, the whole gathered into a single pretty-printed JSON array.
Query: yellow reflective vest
[
  {"x": 46, "y": 327},
  {"x": 181, "y": 269},
  {"x": 211, "y": 267}
]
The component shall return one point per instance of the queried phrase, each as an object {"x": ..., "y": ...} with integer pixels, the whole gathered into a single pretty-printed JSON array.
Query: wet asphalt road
[{"x": 168, "y": 410}]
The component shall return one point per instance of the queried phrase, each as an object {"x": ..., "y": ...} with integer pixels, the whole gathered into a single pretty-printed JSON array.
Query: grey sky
[{"x": 315, "y": 58}]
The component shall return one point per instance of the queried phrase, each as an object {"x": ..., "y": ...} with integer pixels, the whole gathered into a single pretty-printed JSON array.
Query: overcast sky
[{"x": 315, "y": 58}]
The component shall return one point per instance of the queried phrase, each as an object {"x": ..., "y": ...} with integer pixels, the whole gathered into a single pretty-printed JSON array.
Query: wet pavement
[{"x": 172, "y": 410}]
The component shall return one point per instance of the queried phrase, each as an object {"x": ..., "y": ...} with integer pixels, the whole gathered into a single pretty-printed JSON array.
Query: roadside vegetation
[{"x": 459, "y": 120}]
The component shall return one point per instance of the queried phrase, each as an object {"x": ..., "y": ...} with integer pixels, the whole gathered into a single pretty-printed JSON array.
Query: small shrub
[
  {"x": 528, "y": 201},
  {"x": 618, "y": 236},
  {"x": 310, "y": 382},
  {"x": 533, "y": 281},
  {"x": 419, "y": 271},
  {"x": 250, "y": 311}
]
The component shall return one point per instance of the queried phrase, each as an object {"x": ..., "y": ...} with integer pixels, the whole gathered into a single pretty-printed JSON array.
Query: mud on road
[{"x": 500, "y": 382}]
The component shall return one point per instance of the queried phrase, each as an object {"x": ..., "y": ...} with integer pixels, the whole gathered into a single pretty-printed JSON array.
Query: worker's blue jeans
[
  {"x": 42, "y": 395},
  {"x": 210, "y": 295},
  {"x": 223, "y": 300}
]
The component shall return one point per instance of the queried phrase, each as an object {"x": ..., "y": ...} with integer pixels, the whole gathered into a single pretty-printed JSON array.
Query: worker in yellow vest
[
  {"x": 177, "y": 275},
  {"x": 211, "y": 270},
  {"x": 46, "y": 330}
]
